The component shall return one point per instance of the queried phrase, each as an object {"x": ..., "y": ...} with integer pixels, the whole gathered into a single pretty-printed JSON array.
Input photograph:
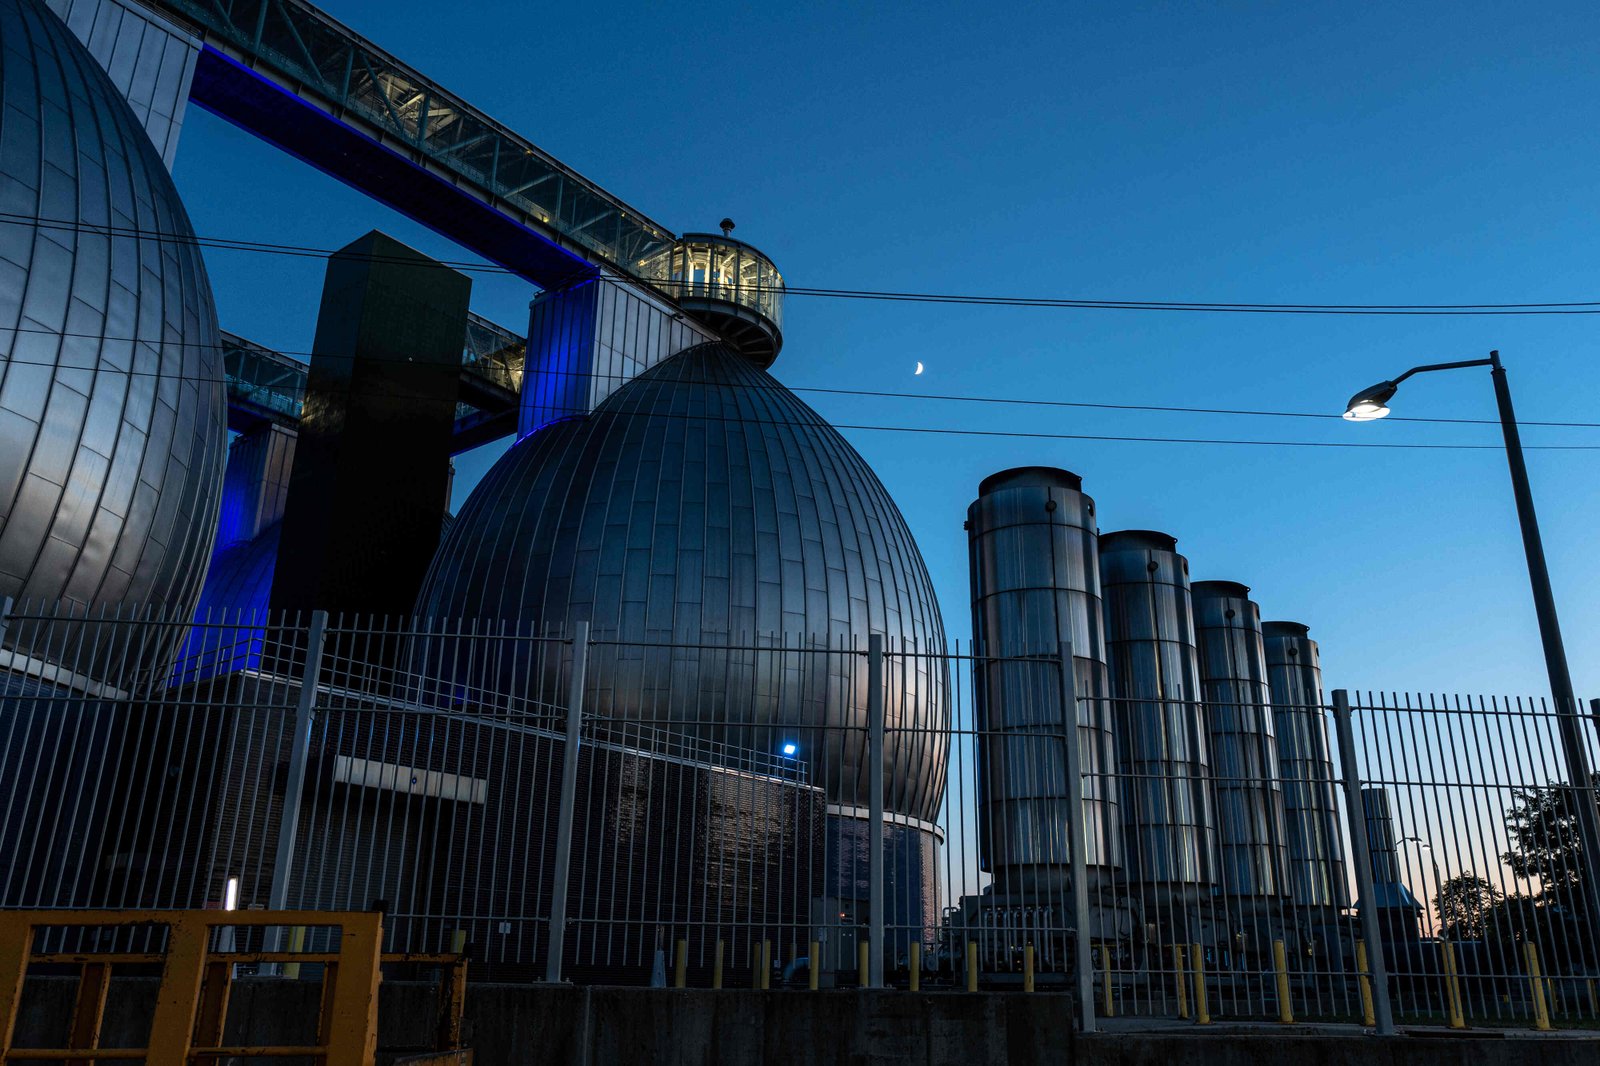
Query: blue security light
[{"x": 789, "y": 748}]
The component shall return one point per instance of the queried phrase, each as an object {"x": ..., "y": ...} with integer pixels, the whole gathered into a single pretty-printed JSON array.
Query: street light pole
[
  {"x": 1436, "y": 920},
  {"x": 1371, "y": 403}
]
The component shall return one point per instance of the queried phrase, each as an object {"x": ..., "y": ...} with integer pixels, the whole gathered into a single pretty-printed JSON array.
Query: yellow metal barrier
[
  {"x": 1027, "y": 967},
  {"x": 861, "y": 963},
  {"x": 972, "y": 966},
  {"x": 680, "y": 965},
  {"x": 1178, "y": 964},
  {"x": 1541, "y": 1010},
  {"x": 916, "y": 966},
  {"x": 766, "y": 964},
  {"x": 716, "y": 967},
  {"x": 1280, "y": 963},
  {"x": 1364, "y": 982},
  {"x": 297, "y": 942},
  {"x": 814, "y": 966},
  {"x": 1452, "y": 986},
  {"x": 1202, "y": 1012},
  {"x": 1108, "y": 1006},
  {"x": 192, "y": 1003}
]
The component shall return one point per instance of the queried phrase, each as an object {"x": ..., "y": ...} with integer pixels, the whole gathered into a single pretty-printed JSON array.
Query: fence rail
[{"x": 576, "y": 805}]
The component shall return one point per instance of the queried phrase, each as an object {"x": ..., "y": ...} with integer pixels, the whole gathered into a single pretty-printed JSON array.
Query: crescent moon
[{"x": 919, "y": 367}]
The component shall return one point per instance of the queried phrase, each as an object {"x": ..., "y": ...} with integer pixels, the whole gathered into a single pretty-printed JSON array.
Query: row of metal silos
[{"x": 1205, "y": 755}]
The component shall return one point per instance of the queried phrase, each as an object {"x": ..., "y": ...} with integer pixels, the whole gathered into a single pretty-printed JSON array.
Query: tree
[
  {"x": 1546, "y": 847},
  {"x": 1464, "y": 904},
  {"x": 1545, "y": 843}
]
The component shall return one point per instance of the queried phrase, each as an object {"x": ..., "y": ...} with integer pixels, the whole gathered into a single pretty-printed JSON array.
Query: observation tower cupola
[{"x": 732, "y": 288}]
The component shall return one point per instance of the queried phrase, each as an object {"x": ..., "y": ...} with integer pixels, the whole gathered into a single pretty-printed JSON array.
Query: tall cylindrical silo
[
  {"x": 1163, "y": 753},
  {"x": 1035, "y": 582},
  {"x": 1244, "y": 751},
  {"x": 1310, "y": 806}
]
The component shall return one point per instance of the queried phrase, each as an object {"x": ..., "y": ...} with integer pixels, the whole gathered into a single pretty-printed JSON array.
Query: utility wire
[
  {"x": 822, "y": 390},
  {"x": 1556, "y": 307},
  {"x": 926, "y": 430}
]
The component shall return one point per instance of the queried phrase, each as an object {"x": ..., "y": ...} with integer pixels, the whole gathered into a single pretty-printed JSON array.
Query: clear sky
[{"x": 1321, "y": 152}]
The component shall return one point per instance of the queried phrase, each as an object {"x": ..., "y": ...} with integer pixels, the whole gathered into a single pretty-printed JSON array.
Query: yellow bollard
[
  {"x": 861, "y": 963},
  {"x": 1541, "y": 1010},
  {"x": 814, "y": 966},
  {"x": 972, "y": 966},
  {"x": 766, "y": 964},
  {"x": 1280, "y": 962},
  {"x": 1027, "y": 967},
  {"x": 297, "y": 942},
  {"x": 916, "y": 966},
  {"x": 1178, "y": 964},
  {"x": 680, "y": 965},
  {"x": 1364, "y": 981},
  {"x": 1594, "y": 1002},
  {"x": 1202, "y": 1012},
  {"x": 716, "y": 967},
  {"x": 1452, "y": 987},
  {"x": 1108, "y": 1006},
  {"x": 458, "y": 942}
]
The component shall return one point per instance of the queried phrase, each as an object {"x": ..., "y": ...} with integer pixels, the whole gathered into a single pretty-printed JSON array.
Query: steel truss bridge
[
  {"x": 305, "y": 82},
  {"x": 264, "y": 386}
]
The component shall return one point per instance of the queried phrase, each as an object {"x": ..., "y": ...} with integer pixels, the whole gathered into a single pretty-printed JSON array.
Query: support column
[{"x": 366, "y": 498}]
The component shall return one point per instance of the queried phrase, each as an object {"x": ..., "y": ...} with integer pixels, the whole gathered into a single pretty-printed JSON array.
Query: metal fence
[{"x": 783, "y": 812}]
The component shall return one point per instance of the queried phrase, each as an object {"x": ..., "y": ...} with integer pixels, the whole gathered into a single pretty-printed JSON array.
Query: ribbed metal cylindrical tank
[
  {"x": 1310, "y": 807},
  {"x": 1163, "y": 754},
  {"x": 1244, "y": 750},
  {"x": 1031, "y": 537},
  {"x": 1398, "y": 910}
]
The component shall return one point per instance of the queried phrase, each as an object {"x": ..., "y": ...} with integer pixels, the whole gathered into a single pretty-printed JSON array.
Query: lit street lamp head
[{"x": 1372, "y": 403}]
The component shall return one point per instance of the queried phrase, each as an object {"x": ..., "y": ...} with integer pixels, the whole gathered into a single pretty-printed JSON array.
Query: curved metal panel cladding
[
  {"x": 1035, "y": 583},
  {"x": 112, "y": 432},
  {"x": 1316, "y": 853},
  {"x": 704, "y": 504},
  {"x": 1163, "y": 754},
  {"x": 1244, "y": 750}
]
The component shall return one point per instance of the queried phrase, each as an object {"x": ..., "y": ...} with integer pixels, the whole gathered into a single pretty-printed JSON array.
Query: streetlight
[
  {"x": 1373, "y": 403},
  {"x": 1436, "y": 920}
]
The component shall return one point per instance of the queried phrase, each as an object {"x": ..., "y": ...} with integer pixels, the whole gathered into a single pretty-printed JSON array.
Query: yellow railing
[{"x": 196, "y": 980}]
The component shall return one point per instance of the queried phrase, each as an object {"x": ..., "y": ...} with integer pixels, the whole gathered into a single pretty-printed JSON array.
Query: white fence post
[
  {"x": 299, "y": 752},
  {"x": 1079, "y": 842},
  {"x": 875, "y": 810},
  {"x": 569, "y": 796},
  {"x": 1355, "y": 816}
]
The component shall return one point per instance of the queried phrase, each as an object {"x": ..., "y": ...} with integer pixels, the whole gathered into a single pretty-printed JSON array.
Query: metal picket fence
[{"x": 781, "y": 812}]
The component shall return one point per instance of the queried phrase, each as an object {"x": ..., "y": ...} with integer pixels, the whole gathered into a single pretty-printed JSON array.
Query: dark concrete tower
[{"x": 372, "y": 467}]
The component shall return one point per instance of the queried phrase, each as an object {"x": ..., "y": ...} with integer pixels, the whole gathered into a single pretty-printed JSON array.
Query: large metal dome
[
  {"x": 703, "y": 504},
  {"x": 112, "y": 426}
]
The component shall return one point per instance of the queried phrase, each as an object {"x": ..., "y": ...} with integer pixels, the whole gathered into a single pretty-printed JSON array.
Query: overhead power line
[
  {"x": 934, "y": 430},
  {"x": 1552, "y": 307},
  {"x": 884, "y": 393}
]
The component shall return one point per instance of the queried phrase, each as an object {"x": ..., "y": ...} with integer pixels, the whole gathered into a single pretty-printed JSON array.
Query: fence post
[
  {"x": 569, "y": 799},
  {"x": 1541, "y": 1009},
  {"x": 1378, "y": 973},
  {"x": 299, "y": 752},
  {"x": 1075, "y": 830},
  {"x": 7, "y": 604},
  {"x": 875, "y": 810},
  {"x": 1365, "y": 984}
]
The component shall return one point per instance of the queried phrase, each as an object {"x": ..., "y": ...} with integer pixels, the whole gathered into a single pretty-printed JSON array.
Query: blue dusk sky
[{"x": 1272, "y": 153}]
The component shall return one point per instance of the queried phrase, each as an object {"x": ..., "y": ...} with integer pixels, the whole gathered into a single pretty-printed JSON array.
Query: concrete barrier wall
[{"x": 513, "y": 1025}]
